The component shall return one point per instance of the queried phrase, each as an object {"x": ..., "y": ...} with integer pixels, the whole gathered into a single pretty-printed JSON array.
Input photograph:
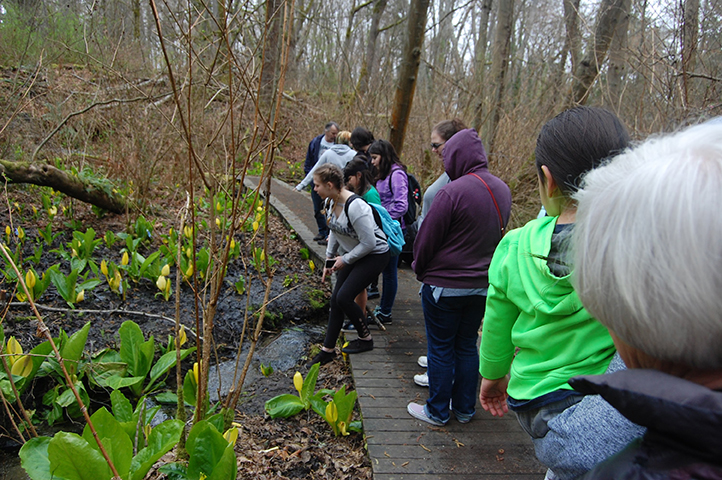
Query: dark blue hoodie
[{"x": 457, "y": 239}]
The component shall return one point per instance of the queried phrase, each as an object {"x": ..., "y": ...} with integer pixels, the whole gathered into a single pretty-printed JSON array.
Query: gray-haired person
[{"x": 648, "y": 265}]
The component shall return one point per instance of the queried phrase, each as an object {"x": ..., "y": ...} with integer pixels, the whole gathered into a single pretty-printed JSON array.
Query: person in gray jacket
[{"x": 340, "y": 154}]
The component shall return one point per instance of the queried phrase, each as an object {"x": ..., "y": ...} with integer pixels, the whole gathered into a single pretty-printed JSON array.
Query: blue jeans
[
  {"x": 318, "y": 213},
  {"x": 452, "y": 329},
  {"x": 390, "y": 285}
]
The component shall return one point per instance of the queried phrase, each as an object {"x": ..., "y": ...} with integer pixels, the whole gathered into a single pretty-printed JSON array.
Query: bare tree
[
  {"x": 618, "y": 58},
  {"x": 608, "y": 16},
  {"x": 573, "y": 39},
  {"x": 690, "y": 29},
  {"x": 406, "y": 85},
  {"x": 369, "y": 62},
  {"x": 500, "y": 65}
]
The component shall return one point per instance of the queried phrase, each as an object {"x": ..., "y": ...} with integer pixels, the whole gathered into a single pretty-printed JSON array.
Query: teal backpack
[{"x": 390, "y": 227}]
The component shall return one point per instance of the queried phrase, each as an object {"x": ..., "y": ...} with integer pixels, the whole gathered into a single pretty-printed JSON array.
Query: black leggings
[{"x": 350, "y": 281}]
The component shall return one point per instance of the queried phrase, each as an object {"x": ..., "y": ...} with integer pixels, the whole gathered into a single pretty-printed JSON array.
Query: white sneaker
[
  {"x": 422, "y": 362},
  {"x": 417, "y": 411},
  {"x": 421, "y": 380}
]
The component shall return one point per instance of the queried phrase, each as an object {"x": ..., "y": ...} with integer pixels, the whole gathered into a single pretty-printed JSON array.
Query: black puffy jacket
[{"x": 683, "y": 420}]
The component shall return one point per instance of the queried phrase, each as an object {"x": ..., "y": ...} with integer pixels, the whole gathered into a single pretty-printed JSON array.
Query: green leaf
[
  {"x": 309, "y": 385},
  {"x": 122, "y": 409},
  {"x": 72, "y": 350},
  {"x": 7, "y": 390},
  {"x": 162, "y": 438},
  {"x": 210, "y": 453},
  {"x": 174, "y": 471},
  {"x": 345, "y": 403},
  {"x": 35, "y": 461},
  {"x": 284, "y": 406},
  {"x": 166, "y": 398},
  {"x": 165, "y": 363},
  {"x": 318, "y": 404},
  {"x": 100, "y": 372},
  {"x": 216, "y": 420},
  {"x": 134, "y": 350},
  {"x": 73, "y": 459},
  {"x": 115, "y": 440},
  {"x": 115, "y": 382},
  {"x": 356, "y": 426},
  {"x": 190, "y": 389}
]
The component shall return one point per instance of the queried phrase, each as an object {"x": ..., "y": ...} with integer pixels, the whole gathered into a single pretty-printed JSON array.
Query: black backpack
[{"x": 414, "y": 197}]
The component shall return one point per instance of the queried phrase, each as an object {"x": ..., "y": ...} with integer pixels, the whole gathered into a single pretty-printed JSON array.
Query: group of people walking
[{"x": 623, "y": 272}]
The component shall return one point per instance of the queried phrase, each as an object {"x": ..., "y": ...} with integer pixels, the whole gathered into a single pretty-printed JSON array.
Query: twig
[
  {"x": 116, "y": 310},
  {"x": 80, "y": 112}
]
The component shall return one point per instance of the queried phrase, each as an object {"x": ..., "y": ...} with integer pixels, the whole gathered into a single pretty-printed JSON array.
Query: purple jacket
[
  {"x": 456, "y": 241},
  {"x": 395, "y": 198}
]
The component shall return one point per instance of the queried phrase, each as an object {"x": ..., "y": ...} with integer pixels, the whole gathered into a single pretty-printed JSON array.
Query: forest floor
[{"x": 299, "y": 447}]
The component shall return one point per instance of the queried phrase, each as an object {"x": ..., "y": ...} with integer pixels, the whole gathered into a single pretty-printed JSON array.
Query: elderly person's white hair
[{"x": 648, "y": 246}]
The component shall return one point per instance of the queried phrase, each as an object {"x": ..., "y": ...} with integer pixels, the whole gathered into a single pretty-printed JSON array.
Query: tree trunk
[
  {"x": 271, "y": 52},
  {"x": 608, "y": 16},
  {"x": 480, "y": 68},
  {"x": 618, "y": 58},
  {"x": 49, "y": 176},
  {"x": 408, "y": 73},
  {"x": 368, "y": 65},
  {"x": 573, "y": 40},
  {"x": 136, "y": 20},
  {"x": 690, "y": 29},
  {"x": 500, "y": 64}
]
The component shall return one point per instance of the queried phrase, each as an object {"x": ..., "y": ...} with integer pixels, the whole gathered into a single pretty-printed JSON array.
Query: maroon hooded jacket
[{"x": 456, "y": 241}]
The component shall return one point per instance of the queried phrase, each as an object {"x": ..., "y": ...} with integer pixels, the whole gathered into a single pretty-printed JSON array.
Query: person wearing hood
[
  {"x": 452, "y": 253},
  {"x": 340, "y": 154},
  {"x": 536, "y": 333},
  {"x": 648, "y": 265}
]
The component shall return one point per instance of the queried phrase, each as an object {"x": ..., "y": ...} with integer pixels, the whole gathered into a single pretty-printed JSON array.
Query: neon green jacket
[{"x": 540, "y": 314}]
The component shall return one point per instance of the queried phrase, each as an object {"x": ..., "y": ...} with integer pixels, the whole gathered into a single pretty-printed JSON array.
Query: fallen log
[{"x": 48, "y": 176}]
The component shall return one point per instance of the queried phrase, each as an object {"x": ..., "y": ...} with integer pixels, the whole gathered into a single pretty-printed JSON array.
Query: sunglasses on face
[{"x": 435, "y": 146}]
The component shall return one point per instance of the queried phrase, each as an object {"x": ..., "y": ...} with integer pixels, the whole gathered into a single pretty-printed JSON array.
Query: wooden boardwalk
[{"x": 401, "y": 447}]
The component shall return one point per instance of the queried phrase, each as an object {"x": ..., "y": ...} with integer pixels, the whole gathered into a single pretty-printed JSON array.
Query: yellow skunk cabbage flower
[
  {"x": 188, "y": 232},
  {"x": 23, "y": 366},
  {"x": 104, "y": 267},
  {"x": 52, "y": 211},
  {"x": 21, "y": 234},
  {"x": 188, "y": 252},
  {"x": 125, "y": 259},
  {"x": 231, "y": 435},
  {"x": 14, "y": 349},
  {"x": 219, "y": 207},
  {"x": 80, "y": 297},
  {"x": 255, "y": 226},
  {"x": 146, "y": 430},
  {"x": 8, "y": 231},
  {"x": 182, "y": 335},
  {"x": 218, "y": 222},
  {"x": 298, "y": 382},
  {"x": 259, "y": 208},
  {"x": 331, "y": 412},
  {"x": 30, "y": 279},
  {"x": 233, "y": 243},
  {"x": 311, "y": 265},
  {"x": 161, "y": 283},
  {"x": 342, "y": 428},
  {"x": 189, "y": 272},
  {"x": 195, "y": 372},
  {"x": 165, "y": 271}
]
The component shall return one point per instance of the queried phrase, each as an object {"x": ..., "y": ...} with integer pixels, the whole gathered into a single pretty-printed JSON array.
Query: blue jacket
[{"x": 312, "y": 154}]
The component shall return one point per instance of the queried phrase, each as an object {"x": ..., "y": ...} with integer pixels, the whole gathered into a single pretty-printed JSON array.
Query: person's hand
[
  {"x": 493, "y": 396},
  {"x": 299, "y": 187},
  {"x": 338, "y": 265}
]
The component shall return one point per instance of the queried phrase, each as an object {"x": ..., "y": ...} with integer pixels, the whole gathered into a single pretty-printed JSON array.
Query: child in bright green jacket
[{"x": 536, "y": 328}]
